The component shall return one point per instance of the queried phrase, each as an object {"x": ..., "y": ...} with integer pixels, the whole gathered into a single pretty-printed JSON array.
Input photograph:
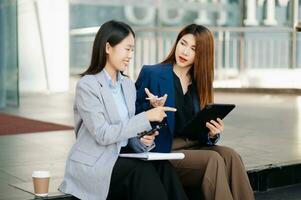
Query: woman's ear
[{"x": 108, "y": 48}]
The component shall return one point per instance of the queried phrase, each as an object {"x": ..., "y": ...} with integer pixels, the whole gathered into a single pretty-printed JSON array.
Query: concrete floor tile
[{"x": 264, "y": 129}]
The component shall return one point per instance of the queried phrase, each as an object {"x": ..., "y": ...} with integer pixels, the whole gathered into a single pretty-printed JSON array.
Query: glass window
[{"x": 8, "y": 54}]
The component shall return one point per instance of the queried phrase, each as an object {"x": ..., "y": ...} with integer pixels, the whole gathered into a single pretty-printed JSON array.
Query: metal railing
[{"x": 236, "y": 49}]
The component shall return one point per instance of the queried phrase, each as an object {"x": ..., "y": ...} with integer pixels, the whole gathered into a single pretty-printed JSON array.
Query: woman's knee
[
  {"x": 141, "y": 169},
  {"x": 227, "y": 152},
  {"x": 162, "y": 164},
  {"x": 215, "y": 158},
  {"x": 144, "y": 166}
]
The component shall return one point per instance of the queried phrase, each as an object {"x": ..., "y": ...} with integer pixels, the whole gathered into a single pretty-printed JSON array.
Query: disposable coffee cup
[{"x": 41, "y": 182}]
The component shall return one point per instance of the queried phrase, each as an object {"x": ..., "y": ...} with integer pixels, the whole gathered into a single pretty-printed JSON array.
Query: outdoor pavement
[{"x": 264, "y": 128}]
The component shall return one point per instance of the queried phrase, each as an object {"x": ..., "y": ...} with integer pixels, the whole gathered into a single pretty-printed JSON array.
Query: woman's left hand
[
  {"x": 215, "y": 127},
  {"x": 155, "y": 101},
  {"x": 148, "y": 140}
]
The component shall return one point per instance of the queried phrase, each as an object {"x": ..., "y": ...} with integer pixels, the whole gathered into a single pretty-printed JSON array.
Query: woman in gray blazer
[{"x": 105, "y": 124}]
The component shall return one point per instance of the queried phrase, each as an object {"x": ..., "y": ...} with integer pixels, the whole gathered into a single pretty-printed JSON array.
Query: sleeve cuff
[
  {"x": 147, "y": 148},
  {"x": 213, "y": 141},
  {"x": 138, "y": 146}
]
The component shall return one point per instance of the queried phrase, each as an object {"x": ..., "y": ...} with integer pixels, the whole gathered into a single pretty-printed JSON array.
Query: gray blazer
[{"x": 99, "y": 132}]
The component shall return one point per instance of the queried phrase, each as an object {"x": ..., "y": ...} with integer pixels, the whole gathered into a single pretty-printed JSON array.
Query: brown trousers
[{"x": 218, "y": 170}]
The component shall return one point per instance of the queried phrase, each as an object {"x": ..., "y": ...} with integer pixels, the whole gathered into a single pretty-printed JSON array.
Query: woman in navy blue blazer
[{"x": 184, "y": 80}]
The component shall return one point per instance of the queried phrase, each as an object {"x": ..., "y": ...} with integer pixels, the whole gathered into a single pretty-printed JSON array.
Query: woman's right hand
[
  {"x": 158, "y": 114},
  {"x": 155, "y": 101},
  {"x": 148, "y": 140}
]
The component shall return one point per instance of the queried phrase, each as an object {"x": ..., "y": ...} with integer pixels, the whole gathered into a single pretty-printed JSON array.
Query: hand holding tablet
[{"x": 197, "y": 125}]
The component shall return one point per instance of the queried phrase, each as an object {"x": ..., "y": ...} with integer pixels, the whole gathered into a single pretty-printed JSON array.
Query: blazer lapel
[
  {"x": 107, "y": 98},
  {"x": 196, "y": 102},
  {"x": 167, "y": 87},
  {"x": 128, "y": 96}
]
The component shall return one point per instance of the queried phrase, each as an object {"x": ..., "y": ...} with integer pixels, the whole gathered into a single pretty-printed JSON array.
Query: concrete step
[
  {"x": 292, "y": 192},
  {"x": 273, "y": 176},
  {"x": 269, "y": 182}
]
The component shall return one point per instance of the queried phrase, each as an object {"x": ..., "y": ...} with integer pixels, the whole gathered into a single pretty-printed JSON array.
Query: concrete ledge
[
  {"x": 261, "y": 179},
  {"x": 275, "y": 176},
  {"x": 291, "y": 91}
]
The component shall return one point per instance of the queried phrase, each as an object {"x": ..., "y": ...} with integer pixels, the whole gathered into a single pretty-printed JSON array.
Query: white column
[
  {"x": 270, "y": 13},
  {"x": 223, "y": 13},
  {"x": 202, "y": 15},
  {"x": 251, "y": 13},
  {"x": 43, "y": 33},
  {"x": 148, "y": 18}
]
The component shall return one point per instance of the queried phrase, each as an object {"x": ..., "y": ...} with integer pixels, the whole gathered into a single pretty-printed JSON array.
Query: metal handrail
[{"x": 93, "y": 30}]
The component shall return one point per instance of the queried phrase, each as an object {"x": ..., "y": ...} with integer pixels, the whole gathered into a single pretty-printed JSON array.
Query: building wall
[{"x": 43, "y": 33}]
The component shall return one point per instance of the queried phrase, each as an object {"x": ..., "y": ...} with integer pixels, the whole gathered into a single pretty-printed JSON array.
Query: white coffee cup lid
[{"x": 41, "y": 174}]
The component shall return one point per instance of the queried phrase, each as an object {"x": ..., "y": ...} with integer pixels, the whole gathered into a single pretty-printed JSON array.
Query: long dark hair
[
  {"x": 112, "y": 32},
  {"x": 203, "y": 67}
]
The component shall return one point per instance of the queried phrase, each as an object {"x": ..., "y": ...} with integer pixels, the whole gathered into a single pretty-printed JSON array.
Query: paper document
[{"x": 153, "y": 156}]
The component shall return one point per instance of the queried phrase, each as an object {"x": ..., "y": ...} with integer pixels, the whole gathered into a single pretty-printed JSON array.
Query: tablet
[{"x": 211, "y": 112}]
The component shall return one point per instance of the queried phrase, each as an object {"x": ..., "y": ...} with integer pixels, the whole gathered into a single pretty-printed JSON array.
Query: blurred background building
[{"x": 45, "y": 43}]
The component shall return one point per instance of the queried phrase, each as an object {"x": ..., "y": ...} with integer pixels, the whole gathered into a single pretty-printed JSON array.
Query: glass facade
[
  {"x": 248, "y": 34},
  {"x": 9, "y": 94},
  {"x": 252, "y": 35},
  {"x": 148, "y": 19}
]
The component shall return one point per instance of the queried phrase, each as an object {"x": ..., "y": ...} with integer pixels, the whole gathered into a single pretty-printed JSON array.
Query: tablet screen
[{"x": 197, "y": 125}]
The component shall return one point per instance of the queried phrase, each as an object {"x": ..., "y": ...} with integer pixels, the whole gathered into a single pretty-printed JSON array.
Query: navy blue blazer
[{"x": 159, "y": 80}]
